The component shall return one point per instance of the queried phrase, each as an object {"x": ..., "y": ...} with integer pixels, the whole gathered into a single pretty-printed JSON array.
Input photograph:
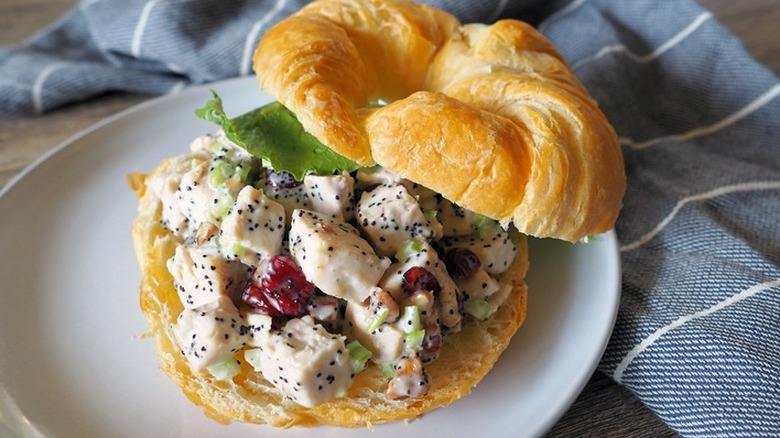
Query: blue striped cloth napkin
[{"x": 698, "y": 333}]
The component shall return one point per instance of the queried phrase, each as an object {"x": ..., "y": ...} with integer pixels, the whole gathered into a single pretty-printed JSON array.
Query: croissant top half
[{"x": 491, "y": 116}]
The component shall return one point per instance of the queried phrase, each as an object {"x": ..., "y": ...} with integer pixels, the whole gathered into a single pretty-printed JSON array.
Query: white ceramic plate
[{"x": 73, "y": 358}]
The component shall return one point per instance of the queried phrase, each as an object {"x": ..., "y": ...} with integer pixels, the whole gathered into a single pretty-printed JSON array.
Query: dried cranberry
[
  {"x": 280, "y": 180},
  {"x": 418, "y": 278},
  {"x": 282, "y": 289},
  {"x": 461, "y": 263}
]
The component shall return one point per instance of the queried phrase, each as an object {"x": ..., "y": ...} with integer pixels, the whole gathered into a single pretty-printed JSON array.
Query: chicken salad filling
[{"x": 311, "y": 279}]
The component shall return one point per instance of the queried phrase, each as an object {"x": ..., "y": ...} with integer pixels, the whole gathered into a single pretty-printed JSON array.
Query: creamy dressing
[
  {"x": 165, "y": 185},
  {"x": 495, "y": 250},
  {"x": 331, "y": 195},
  {"x": 385, "y": 342},
  {"x": 353, "y": 236},
  {"x": 390, "y": 216},
  {"x": 253, "y": 229},
  {"x": 410, "y": 380},
  {"x": 479, "y": 285},
  {"x": 426, "y": 258},
  {"x": 306, "y": 362},
  {"x": 334, "y": 257},
  {"x": 211, "y": 333},
  {"x": 455, "y": 220},
  {"x": 202, "y": 274}
]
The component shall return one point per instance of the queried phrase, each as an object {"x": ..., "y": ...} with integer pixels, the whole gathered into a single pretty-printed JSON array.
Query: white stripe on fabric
[
  {"x": 743, "y": 187},
  {"x": 756, "y": 104},
  {"x": 642, "y": 59},
  {"x": 178, "y": 86},
  {"x": 37, "y": 88},
  {"x": 251, "y": 38},
  {"x": 567, "y": 9},
  {"x": 138, "y": 34},
  {"x": 499, "y": 10},
  {"x": 642, "y": 346},
  {"x": 174, "y": 68}
]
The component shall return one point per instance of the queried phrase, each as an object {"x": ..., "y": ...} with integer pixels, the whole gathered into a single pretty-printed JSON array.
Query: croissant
[{"x": 491, "y": 117}]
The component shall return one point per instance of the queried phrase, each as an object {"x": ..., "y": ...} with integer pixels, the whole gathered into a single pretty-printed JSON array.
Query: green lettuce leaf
[{"x": 273, "y": 134}]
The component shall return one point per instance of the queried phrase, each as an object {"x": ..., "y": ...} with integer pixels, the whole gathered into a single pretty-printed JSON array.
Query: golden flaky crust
[
  {"x": 465, "y": 358},
  {"x": 536, "y": 149}
]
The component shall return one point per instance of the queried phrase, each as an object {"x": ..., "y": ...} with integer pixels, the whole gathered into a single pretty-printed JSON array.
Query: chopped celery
[
  {"x": 430, "y": 213},
  {"x": 480, "y": 220},
  {"x": 415, "y": 339},
  {"x": 478, "y": 308},
  {"x": 225, "y": 369},
  {"x": 215, "y": 147},
  {"x": 238, "y": 249},
  {"x": 408, "y": 248},
  {"x": 377, "y": 320},
  {"x": 358, "y": 355},
  {"x": 219, "y": 209},
  {"x": 253, "y": 357},
  {"x": 220, "y": 173},
  {"x": 224, "y": 171},
  {"x": 242, "y": 172},
  {"x": 486, "y": 227},
  {"x": 388, "y": 369}
]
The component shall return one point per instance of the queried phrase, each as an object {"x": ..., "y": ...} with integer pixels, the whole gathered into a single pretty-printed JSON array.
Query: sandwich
[{"x": 354, "y": 252}]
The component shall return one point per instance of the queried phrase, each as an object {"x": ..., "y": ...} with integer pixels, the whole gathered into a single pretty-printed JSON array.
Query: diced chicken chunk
[
  {"x": 202, "y": 274},
  {"x": 290, "y": 198},
  {"x": 428, "y": 201},
  {"x": 390, "y": 216},
  {"x": 257, "y": 328},
  {"x": 200, "y": 186},
  {"x": 165, "y": 183},
  {"x": 331, "y": 195},
  {"x": 334, "y": 257},
  {"x": 386, "y": 342},
  {"x": 200, "y": 200},
  {"x": 210, "y": 333},
  {"x": 196, "y": 196},
  {"x": 455, "y": 220},
  {"x": 306, "y": 362},
  {"x": 253, "y": 228},
  {"x": 478, "y": 285},
  {"x": 495, "y": 251},
  {"x": 374, "y": 176},
  {"x": 219, "y": 145}
]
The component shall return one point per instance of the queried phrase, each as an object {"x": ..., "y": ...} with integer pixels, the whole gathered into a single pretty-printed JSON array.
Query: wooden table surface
[{"x": 604, "y": 409}]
